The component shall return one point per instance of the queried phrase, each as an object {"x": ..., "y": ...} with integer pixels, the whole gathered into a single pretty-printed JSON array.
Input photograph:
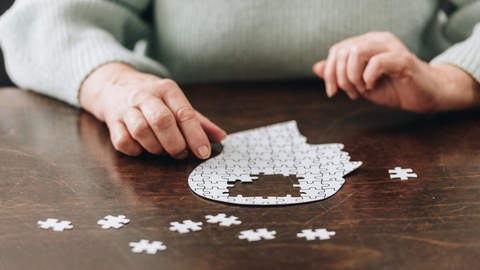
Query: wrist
[{"x": 459, "y": 90}]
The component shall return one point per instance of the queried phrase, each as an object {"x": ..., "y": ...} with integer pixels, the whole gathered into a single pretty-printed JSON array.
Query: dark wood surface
[{"x": 57, "y": 161}]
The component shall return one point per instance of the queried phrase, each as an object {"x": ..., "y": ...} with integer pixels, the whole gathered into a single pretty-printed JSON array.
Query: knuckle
[
  {"x": 139, "y": 130},
  {"x": 375, "y": 63},
  {"x": 121, "y": 142},
  {"x": 356, "y": 50},
  {"x": 185, "y": 114},
  {"x": 408, "y": 58},
  {"x": 163, "y": 119},
  {"x": 387, "y": 36},
  {"x": 342, "y": 83},
  {"x": 373, "y": 34},
  {"x": 342, "y": 52},
  {"x": 356, "y": 78},
  {"x": 168, "y": 83},
  {"x": 332, "y": 50}
]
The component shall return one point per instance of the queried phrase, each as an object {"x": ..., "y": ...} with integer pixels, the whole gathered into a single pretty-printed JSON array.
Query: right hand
[{"x": 145, "y": 112}]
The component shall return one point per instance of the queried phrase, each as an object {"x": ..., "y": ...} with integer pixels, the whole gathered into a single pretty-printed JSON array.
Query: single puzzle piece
[
  {"x": 186, "y": 226},
  {"x": 257, "y": 235},
  {"x": 116, "y": 222},
  {"x": 321, "y": 234},
  {"x": 403, "y": 174},
  {"x": 274, "y": 149},
  {"x": 55, "y": 225},
  {"x": 223, "y": 220},
  {"x": 147, "y": 246}
]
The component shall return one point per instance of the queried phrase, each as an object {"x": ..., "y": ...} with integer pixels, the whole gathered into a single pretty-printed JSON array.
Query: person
[{"x": 121, "y": 60}]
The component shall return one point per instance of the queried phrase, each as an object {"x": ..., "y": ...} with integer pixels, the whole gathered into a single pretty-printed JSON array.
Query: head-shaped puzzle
[{"x": 274, "y": 149}]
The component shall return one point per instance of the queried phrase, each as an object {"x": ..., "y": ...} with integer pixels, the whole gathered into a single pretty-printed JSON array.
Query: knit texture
[{"x": 51, "y": 46}]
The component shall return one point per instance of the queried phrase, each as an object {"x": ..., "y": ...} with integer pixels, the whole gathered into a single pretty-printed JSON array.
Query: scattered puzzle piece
[
  {"x": 55, "y": 225},
  {"x": 186, "y": 226},
  {"x": 321, "y": 234},
  {"x": 223, "y": 220},
  {"x": 257, "y": 235},
  {"x": 147, "y": 246},
  {"x": 109, "y": 222},
  {"x": 274, "y": 149},
  {"x": 403, "y": 174}
]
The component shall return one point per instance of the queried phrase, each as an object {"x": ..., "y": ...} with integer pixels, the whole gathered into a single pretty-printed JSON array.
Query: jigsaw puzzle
[{"x": 274, "y": 149}]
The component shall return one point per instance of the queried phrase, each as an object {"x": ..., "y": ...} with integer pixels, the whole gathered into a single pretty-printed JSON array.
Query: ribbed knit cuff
[
  {"x": 465, "y": 54},
  {"x": 85, "y": 60}
]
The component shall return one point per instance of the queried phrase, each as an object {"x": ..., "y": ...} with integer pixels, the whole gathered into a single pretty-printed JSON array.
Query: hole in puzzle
[{"x": 267, "y": 185}]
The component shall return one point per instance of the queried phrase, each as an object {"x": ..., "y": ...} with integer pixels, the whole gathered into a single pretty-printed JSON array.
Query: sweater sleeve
[
  {"x": 51, "y": 46},
  {"x": 462, "y": 30}
]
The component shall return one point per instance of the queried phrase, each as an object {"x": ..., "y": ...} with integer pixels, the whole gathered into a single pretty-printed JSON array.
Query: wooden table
[{"x": 57, "y": 162}]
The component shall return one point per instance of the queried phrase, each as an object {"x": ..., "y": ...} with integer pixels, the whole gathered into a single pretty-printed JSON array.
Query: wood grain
[{"x": 57, "y": 161}]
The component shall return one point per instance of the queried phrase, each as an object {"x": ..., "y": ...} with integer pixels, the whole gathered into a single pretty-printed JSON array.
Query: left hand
[{"x": 380, "y": 68}]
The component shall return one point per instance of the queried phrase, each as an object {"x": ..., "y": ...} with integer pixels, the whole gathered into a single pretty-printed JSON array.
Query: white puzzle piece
[
  {"x": 223, "y": 220},
  {"x": 403, "y": 174},
  {"x": 147, "y": 246},
  {"x": 110, "y": 221},
  {"x": 55, "y": 224},
  {"x": 274, "y": 149},
  {"x": 321, "y": 234},
  {"x": 257, "y": 235},
  {"x": 186, "y": 226}
]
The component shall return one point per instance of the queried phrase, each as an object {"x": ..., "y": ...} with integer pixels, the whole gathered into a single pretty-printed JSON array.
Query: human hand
[
  {"x": 378, "y": 67},
  {"x": 144, "y": 112}
]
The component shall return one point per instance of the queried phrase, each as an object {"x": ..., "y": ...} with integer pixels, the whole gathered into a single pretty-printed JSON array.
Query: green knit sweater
[{"x": 51, "y": 46}]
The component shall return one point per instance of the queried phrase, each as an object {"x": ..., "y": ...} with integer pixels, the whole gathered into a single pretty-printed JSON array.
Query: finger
[
  {"x": 164, "y": 126},
  {"x": 188, "y": 122},
  {"x": 140, "y": 131},
  {"x": 355, "y": 66},
  {"x": 121, "y": 139},
  {"x": 319, "y": 68},
  {"x": 389, "y": 63},
  {"x": 341, "y": 71},
  {"x": 214, "y": 132},
  {"x": 329, "y": 74}
]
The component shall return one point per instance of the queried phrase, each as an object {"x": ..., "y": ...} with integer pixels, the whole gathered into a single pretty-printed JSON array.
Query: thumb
[{"x": 389, "y": 63}]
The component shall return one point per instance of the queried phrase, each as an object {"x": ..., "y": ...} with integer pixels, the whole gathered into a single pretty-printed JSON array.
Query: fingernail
[
  {"x": 204, "y": 151},
  {"x": 182, "y": 155},
  {"x": 330, "y": 89}
]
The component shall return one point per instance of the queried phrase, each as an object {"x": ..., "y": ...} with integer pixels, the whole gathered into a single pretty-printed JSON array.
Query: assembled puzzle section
[{"x": 274, "y": 149}]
